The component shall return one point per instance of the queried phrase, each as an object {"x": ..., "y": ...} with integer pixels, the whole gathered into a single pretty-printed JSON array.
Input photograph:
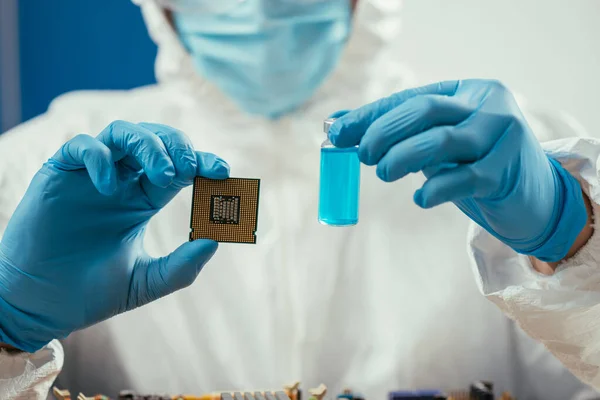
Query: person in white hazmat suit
[{"x": 387, "y": 304}]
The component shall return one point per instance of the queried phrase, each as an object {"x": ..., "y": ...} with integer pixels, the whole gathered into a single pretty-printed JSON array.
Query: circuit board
[{"x": 480, "y": 390}]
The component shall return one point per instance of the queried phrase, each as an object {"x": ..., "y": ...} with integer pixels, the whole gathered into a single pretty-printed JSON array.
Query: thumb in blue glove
[{"x": 72, "y": 254}]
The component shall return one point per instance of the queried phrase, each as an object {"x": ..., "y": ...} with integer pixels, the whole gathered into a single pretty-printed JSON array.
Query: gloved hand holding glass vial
[
  {"x": 476, "y": 150},
  {"x": 340, "y": 183}
]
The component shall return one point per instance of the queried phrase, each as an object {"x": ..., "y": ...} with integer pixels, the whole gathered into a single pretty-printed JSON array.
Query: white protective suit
[{"x": 390, "y": 303}]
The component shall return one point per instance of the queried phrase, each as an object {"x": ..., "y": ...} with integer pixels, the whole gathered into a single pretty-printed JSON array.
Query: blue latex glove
[
  {"x": 72, "y": 254},
  {"x": 475, "y": 148}
]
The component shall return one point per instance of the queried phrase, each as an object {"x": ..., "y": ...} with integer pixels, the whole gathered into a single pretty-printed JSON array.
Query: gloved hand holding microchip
[{"x": 72, "y": 254}]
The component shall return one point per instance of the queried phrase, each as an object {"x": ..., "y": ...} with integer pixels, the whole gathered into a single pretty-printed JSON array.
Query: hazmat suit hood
[{"x": 376, "y": 25}]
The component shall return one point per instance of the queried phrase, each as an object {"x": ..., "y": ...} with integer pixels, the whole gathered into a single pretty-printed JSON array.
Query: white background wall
[{"x": 547, "y": 50}]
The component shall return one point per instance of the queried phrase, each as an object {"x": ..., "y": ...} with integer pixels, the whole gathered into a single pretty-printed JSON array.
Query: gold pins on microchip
[{"x": 225, "y": 210}]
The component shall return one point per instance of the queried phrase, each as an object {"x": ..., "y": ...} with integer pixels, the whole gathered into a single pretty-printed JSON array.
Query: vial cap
[{"x": 327, "y": 124}]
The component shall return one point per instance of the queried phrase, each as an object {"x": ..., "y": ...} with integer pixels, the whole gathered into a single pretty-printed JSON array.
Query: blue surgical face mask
[{"x": 269, "y": 56}]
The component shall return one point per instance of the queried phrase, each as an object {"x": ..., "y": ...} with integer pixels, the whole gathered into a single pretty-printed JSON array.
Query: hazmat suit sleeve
[
  {"x": 29, "y": 375},
  {"x": 563, "y": 310}
]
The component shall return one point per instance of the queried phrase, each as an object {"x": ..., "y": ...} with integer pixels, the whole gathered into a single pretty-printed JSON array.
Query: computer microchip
[{"x": 225, "y": 210}]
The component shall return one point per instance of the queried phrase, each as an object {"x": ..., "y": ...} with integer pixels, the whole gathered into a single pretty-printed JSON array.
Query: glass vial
[{"x": 340, "y": 183}]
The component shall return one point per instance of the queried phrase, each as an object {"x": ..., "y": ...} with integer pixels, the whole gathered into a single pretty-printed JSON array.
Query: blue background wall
[{"x": 73, "y": 44}]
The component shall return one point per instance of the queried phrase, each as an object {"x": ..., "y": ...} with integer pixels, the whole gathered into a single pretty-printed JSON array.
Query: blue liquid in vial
[{"x": 339, "y": 187}]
